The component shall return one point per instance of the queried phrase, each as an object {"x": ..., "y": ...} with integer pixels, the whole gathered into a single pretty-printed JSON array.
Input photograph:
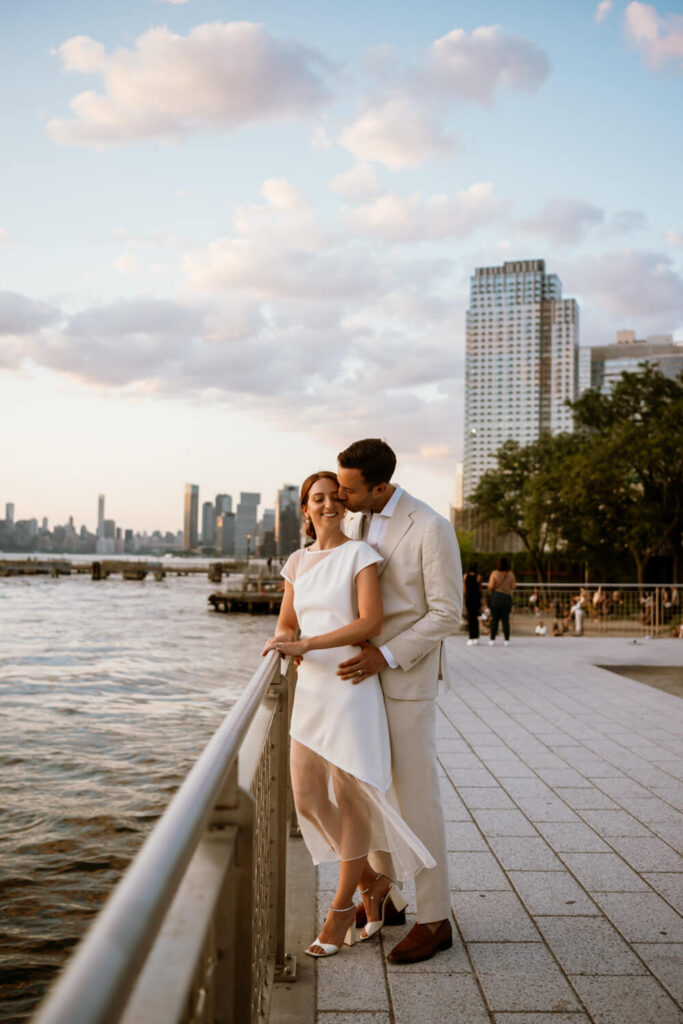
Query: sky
[{"x": 237, "y": 235}]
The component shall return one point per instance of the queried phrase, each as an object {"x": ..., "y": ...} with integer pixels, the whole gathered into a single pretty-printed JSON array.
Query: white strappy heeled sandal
[
  {"x": 350, "y": 938},
  {"x": 397, "y": 898}
]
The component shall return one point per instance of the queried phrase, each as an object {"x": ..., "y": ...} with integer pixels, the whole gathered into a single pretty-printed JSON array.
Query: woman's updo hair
[
  {"x": 324, "y": 474},
  {"x": 503, "y": 564}
]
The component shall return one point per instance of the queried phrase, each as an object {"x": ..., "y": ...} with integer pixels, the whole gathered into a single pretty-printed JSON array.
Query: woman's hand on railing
[
  {"x": 293, "y": 648},
  {"x": 274, "y": 643},
  {"x": 270, "y": 645}
]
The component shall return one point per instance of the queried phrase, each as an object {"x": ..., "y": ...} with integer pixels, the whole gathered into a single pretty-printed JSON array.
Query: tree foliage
[
  {"x": 627, "y": 475},
  {"x": 614, "y": 485},
  {"x": 519, "y": 496}
]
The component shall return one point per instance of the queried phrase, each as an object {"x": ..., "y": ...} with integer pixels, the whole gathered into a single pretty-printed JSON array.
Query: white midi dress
[{"x": 341, "y": 754}]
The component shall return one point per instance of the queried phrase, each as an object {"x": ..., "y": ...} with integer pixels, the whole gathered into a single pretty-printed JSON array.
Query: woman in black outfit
[{"x": 472, "y": 602}]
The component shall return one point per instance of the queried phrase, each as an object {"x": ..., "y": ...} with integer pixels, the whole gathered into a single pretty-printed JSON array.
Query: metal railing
[
  {"x": 596, "y": 609},
  {"x": 195, "y": 930}
]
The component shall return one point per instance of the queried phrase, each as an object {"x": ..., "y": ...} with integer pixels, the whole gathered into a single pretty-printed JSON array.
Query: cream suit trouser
[{"x": 412, "y": 729}]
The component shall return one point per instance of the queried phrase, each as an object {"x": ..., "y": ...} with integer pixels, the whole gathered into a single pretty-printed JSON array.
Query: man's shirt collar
[{"x": 390, "y": 506}]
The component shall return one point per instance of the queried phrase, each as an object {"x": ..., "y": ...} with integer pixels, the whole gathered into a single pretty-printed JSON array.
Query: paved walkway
[{"x": 563, "y": 791}]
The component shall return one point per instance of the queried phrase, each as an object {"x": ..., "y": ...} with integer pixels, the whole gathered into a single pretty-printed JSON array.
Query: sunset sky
[{"x": 237, "y": 235}]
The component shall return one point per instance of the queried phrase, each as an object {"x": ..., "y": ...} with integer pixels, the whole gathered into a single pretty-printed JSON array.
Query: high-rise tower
[
  {"x": 100, "y": 516},
  {"x": 190, "y": 531},
  {"x": 287, "y": 520},
  {"x": 522, "y": 361},
  {"x": 245, "y": 523}
]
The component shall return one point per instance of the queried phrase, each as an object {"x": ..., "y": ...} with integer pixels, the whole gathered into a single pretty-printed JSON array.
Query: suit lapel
[{"x": 399, "y": 524}]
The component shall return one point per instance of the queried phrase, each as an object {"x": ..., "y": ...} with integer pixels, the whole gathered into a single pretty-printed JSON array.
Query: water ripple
[{"x": 109, "y": 690}]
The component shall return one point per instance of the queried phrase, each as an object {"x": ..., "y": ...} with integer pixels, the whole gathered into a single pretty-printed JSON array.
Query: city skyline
[
  {"x": 201, "y": 280},
  {"x": 264, "y": 514}
]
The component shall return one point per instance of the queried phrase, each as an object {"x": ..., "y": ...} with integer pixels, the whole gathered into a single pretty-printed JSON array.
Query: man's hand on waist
[{"x": 369, "y": 662}]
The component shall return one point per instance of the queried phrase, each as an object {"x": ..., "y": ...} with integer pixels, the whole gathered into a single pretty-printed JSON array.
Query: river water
[{"x": 109, "y": 690}]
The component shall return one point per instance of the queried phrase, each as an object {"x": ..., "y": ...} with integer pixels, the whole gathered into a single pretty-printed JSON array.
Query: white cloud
[
  {"x": 603, "y": 9},
  {"x": 625, "y": 221},
  {"x": 564, "y": 220},
  {"x": 398, "y": 133},
  {"x": 674, "y": 238},
  {"x": 462, "y": 67},
  {"x": 260, "y": 269},
  {"x": 20, "y": 315},
  {"x": 360, "y": 182},
  {"x": 399, "y": 125},
  {"x": 660, "y": 39},
  {"x": 282, "y": 194},
  {"x": 21, "y": 320},
  {"x": 642, "y": 287},
  {"x": 218, "y": 77},
  {"x": 320, "y": 138},
  {"x": 153, "y": 240},
  {"x": 126, "y": 263},
  {"x": 81, "y": 53},
  {"x": 4, "y": 237},
  {"x": 396, "y": 218},
  {"x": 285, "y": 221}
]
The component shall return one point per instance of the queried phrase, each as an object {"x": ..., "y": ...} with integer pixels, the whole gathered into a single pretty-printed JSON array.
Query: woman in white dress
[{"x": 340, "y": 753}]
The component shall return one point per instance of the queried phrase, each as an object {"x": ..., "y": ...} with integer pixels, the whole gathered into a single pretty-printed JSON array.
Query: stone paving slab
[{"x": 562, "y": 787}]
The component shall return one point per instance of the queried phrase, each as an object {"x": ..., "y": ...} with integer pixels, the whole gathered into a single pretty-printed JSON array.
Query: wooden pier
[
  {"x": 102, "y": 568},
  {"x": 261, "y": 595}
]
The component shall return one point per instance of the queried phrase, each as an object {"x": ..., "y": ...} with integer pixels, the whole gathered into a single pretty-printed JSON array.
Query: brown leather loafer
[
  {"x": 421, "y": 944},
  {"x": 391, "y": 915}
]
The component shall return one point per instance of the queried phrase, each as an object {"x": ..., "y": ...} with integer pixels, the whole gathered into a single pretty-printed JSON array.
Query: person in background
[
  {"x": 472, "y": 585},
  {"x": 599, "y": 601},
  {"x": 535, "y": 602},
  {"x": 541, "y": 630},
  {"x": 501, "y": 584},
  {"x": 578, "y": 610}
]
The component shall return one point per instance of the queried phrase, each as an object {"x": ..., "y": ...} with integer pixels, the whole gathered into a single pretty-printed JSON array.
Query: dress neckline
[{"x": 325, "y": 551}]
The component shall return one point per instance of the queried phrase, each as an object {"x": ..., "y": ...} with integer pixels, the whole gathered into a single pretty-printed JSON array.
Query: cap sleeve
[
  {"x": 363, "y": 556},
  {"x": 290, "y": 568}
]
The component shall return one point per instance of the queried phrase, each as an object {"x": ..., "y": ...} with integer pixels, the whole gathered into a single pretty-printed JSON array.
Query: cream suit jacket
[{"x": 421, "y": 583}]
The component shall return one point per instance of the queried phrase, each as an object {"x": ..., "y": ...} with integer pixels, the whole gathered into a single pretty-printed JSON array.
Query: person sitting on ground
[
  {"x": 541, "y": 630},
  {"x": 557, "y": 629}
]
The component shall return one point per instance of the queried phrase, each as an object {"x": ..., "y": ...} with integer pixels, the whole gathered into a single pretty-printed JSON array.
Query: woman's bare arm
[
  {"x": 287, "y": 623},
  {"x": 368, "y": 623}
]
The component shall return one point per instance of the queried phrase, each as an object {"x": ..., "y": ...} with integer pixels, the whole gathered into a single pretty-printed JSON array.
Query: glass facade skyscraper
[
  {"x": 522, "y": 361},
  {"x": 191, "y": 517}
]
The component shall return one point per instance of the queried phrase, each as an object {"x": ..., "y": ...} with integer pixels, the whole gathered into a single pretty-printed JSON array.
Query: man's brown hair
[{"x": 373, "y": 457}]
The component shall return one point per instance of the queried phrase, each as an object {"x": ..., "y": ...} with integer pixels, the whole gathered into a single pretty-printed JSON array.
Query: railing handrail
[
  {"x": 564, "y": 585},
  {"x": 100, "y": 977}
]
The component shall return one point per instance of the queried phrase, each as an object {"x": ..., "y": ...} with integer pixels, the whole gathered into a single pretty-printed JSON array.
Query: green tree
[
  {"x": 520, "y": 495},
  {"x": 613, "y": 487},
  {"x": 622, "y": 484}
]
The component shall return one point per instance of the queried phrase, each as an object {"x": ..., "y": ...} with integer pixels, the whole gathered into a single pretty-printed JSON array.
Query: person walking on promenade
[
  {"x": 501, "y": 584},
  {"x": 421, "y": 584},
  {"x": 340, "y": 751},
  {"x": 472, "y": 587}
]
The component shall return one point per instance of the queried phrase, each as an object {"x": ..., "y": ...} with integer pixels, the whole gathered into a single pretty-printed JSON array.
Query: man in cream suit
[{"x": 421, "y": 584}]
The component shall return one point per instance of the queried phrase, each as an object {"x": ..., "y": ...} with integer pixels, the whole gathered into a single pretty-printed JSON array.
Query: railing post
[
  {"x": 235, "y": 914},
  {"x": 285, "y": 965}
]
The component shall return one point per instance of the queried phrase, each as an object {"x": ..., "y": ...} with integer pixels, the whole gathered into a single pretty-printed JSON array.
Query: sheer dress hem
[{"x": 368, "y": 782}]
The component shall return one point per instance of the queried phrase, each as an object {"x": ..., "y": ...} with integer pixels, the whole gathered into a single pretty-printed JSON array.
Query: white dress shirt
[{"x": 374, "y": 528}]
